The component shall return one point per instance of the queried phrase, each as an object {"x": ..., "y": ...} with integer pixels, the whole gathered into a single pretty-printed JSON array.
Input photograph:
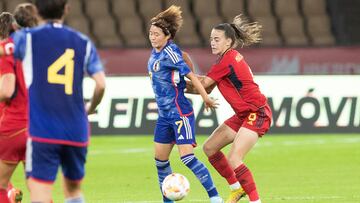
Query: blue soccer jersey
[
  {"x": 55, "y": 58},
  {"x": 167, "y": 69}
]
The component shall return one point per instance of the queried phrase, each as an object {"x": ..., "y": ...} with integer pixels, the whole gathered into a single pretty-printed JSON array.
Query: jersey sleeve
[
  {"x": 176, "y": 62},
  {"x": 6, "y": 65},
  {"x": 182, "y": 67},
  {"x": 92, "y": 63},
  {"x": 218, "y": 72},
  {"x": 19, "y": 39}
]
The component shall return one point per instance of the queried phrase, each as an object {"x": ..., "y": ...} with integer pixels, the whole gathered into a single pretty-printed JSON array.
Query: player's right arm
[
  {"x": 7, "y": 86},
  {"x": 7, "y": 78}
]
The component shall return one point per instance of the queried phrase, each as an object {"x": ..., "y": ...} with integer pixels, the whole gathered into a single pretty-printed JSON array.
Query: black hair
[{"x": 51, "y": 9}]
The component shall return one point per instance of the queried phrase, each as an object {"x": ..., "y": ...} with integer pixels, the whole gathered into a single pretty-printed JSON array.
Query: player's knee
[{"x": 208, "y": 149}]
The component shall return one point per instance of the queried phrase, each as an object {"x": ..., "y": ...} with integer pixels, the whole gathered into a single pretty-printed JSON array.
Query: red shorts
[
  {"x": 12, "y": 149},
  {"x": 258, "y": 121}
]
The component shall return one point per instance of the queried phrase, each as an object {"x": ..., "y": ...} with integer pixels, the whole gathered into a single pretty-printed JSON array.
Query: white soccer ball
[{"x": 175, "y": 186}]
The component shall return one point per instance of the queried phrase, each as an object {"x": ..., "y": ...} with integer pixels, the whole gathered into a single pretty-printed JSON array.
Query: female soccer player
[
  {"x": 176, "y": 121},
  {"x": 13, "y": 98},
  {"x": 252, "y": 118}
]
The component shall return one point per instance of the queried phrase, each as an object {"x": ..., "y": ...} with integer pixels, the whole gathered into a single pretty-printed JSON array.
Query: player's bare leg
[
  {"x": 72, "y": 191},
  {"x": 6, "y": 171},
  {"x": 221, "y": 137},
  {"x": 162, "y": 151},
  {"x": 243, "y": 143},
  {"x": 39, "y": 191}
]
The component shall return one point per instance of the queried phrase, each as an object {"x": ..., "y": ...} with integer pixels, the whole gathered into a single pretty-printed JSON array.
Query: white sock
[
  {"x": 257, "y": 201},
  {"x": 216, "y": 199},
  {"x": 80, "y": 199},
  {"x": 235, "y": 186}
]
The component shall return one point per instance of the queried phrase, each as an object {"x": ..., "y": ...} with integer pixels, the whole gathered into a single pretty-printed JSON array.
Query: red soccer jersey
[
  {"x": 13, "y": 113},
  {"x": 235, "y": 82}
]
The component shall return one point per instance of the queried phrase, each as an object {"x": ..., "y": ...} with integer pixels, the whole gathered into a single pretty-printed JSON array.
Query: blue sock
[
  {"x": 163, "y": 170},
  {"x": 201, "y": 172}
]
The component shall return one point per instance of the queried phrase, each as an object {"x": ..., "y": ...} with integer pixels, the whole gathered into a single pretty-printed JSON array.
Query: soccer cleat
[
  {"x": 15, "y": 195},
  {"x": 236, "y": 195}
]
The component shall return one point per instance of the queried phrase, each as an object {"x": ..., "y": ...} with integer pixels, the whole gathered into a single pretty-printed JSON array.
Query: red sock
[
  {"x": 243, "y": 174},
  {"x": 220, "y": 163},
  {"x": 3, "y": 196}
]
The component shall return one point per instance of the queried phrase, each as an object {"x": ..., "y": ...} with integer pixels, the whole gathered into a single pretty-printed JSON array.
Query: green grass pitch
[{"x": 296, "y": 169}]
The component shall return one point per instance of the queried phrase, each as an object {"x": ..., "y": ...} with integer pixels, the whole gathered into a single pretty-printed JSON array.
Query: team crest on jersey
[
  {"x": 156, "y": 66},
  {"x": 238, "y": 57}
]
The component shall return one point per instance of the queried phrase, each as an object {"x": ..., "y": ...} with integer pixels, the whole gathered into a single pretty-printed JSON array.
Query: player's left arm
[
  {"x": 209, "y": 103},
  {"x": 208, "y": 83},
  {"x": 7, "y": 86},
  {"x": 2, "y": 50}
]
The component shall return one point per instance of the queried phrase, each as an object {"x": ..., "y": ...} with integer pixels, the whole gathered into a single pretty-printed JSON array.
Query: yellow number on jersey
[
  {"x": 251, "y": 118},
  {"x": 67, "y": 61},
  {"x": 179, "y": 124}
]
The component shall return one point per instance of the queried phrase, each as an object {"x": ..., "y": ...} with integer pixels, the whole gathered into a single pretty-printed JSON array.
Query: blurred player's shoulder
[
  {"x": 61, "y": 28},
  {"x": 76, "y": 32}
]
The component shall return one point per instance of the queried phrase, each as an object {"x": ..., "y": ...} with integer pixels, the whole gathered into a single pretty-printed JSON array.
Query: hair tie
[{"x": 164, "y": 29}]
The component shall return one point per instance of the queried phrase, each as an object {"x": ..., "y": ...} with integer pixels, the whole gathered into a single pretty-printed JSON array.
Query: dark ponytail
[{"x": 241, "y": 31}]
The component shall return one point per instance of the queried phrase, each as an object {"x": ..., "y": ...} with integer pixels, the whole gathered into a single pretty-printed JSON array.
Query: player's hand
[
  {"x": 88, "y": 109},
  {"x": 210, "y": 103},
  {"x": 189, "y": 87}
]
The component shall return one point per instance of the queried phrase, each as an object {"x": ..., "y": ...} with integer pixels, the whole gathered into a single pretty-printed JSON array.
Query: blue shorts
[
  {"x": 175, "y": 130},
  {"x": 44, "y": 159}
]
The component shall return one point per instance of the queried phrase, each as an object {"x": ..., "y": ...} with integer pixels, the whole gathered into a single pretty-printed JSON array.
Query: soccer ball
[{"x": 175, "y": 186}]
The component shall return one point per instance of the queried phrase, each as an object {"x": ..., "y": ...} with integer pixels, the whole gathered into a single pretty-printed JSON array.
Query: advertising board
[{"x": 300, "y": 104}]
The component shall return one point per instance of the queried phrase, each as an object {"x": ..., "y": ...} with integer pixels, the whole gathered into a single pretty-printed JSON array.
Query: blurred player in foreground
[
  {"x": 13, "y": 97},
  {"x": 55, "y": 59}
]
